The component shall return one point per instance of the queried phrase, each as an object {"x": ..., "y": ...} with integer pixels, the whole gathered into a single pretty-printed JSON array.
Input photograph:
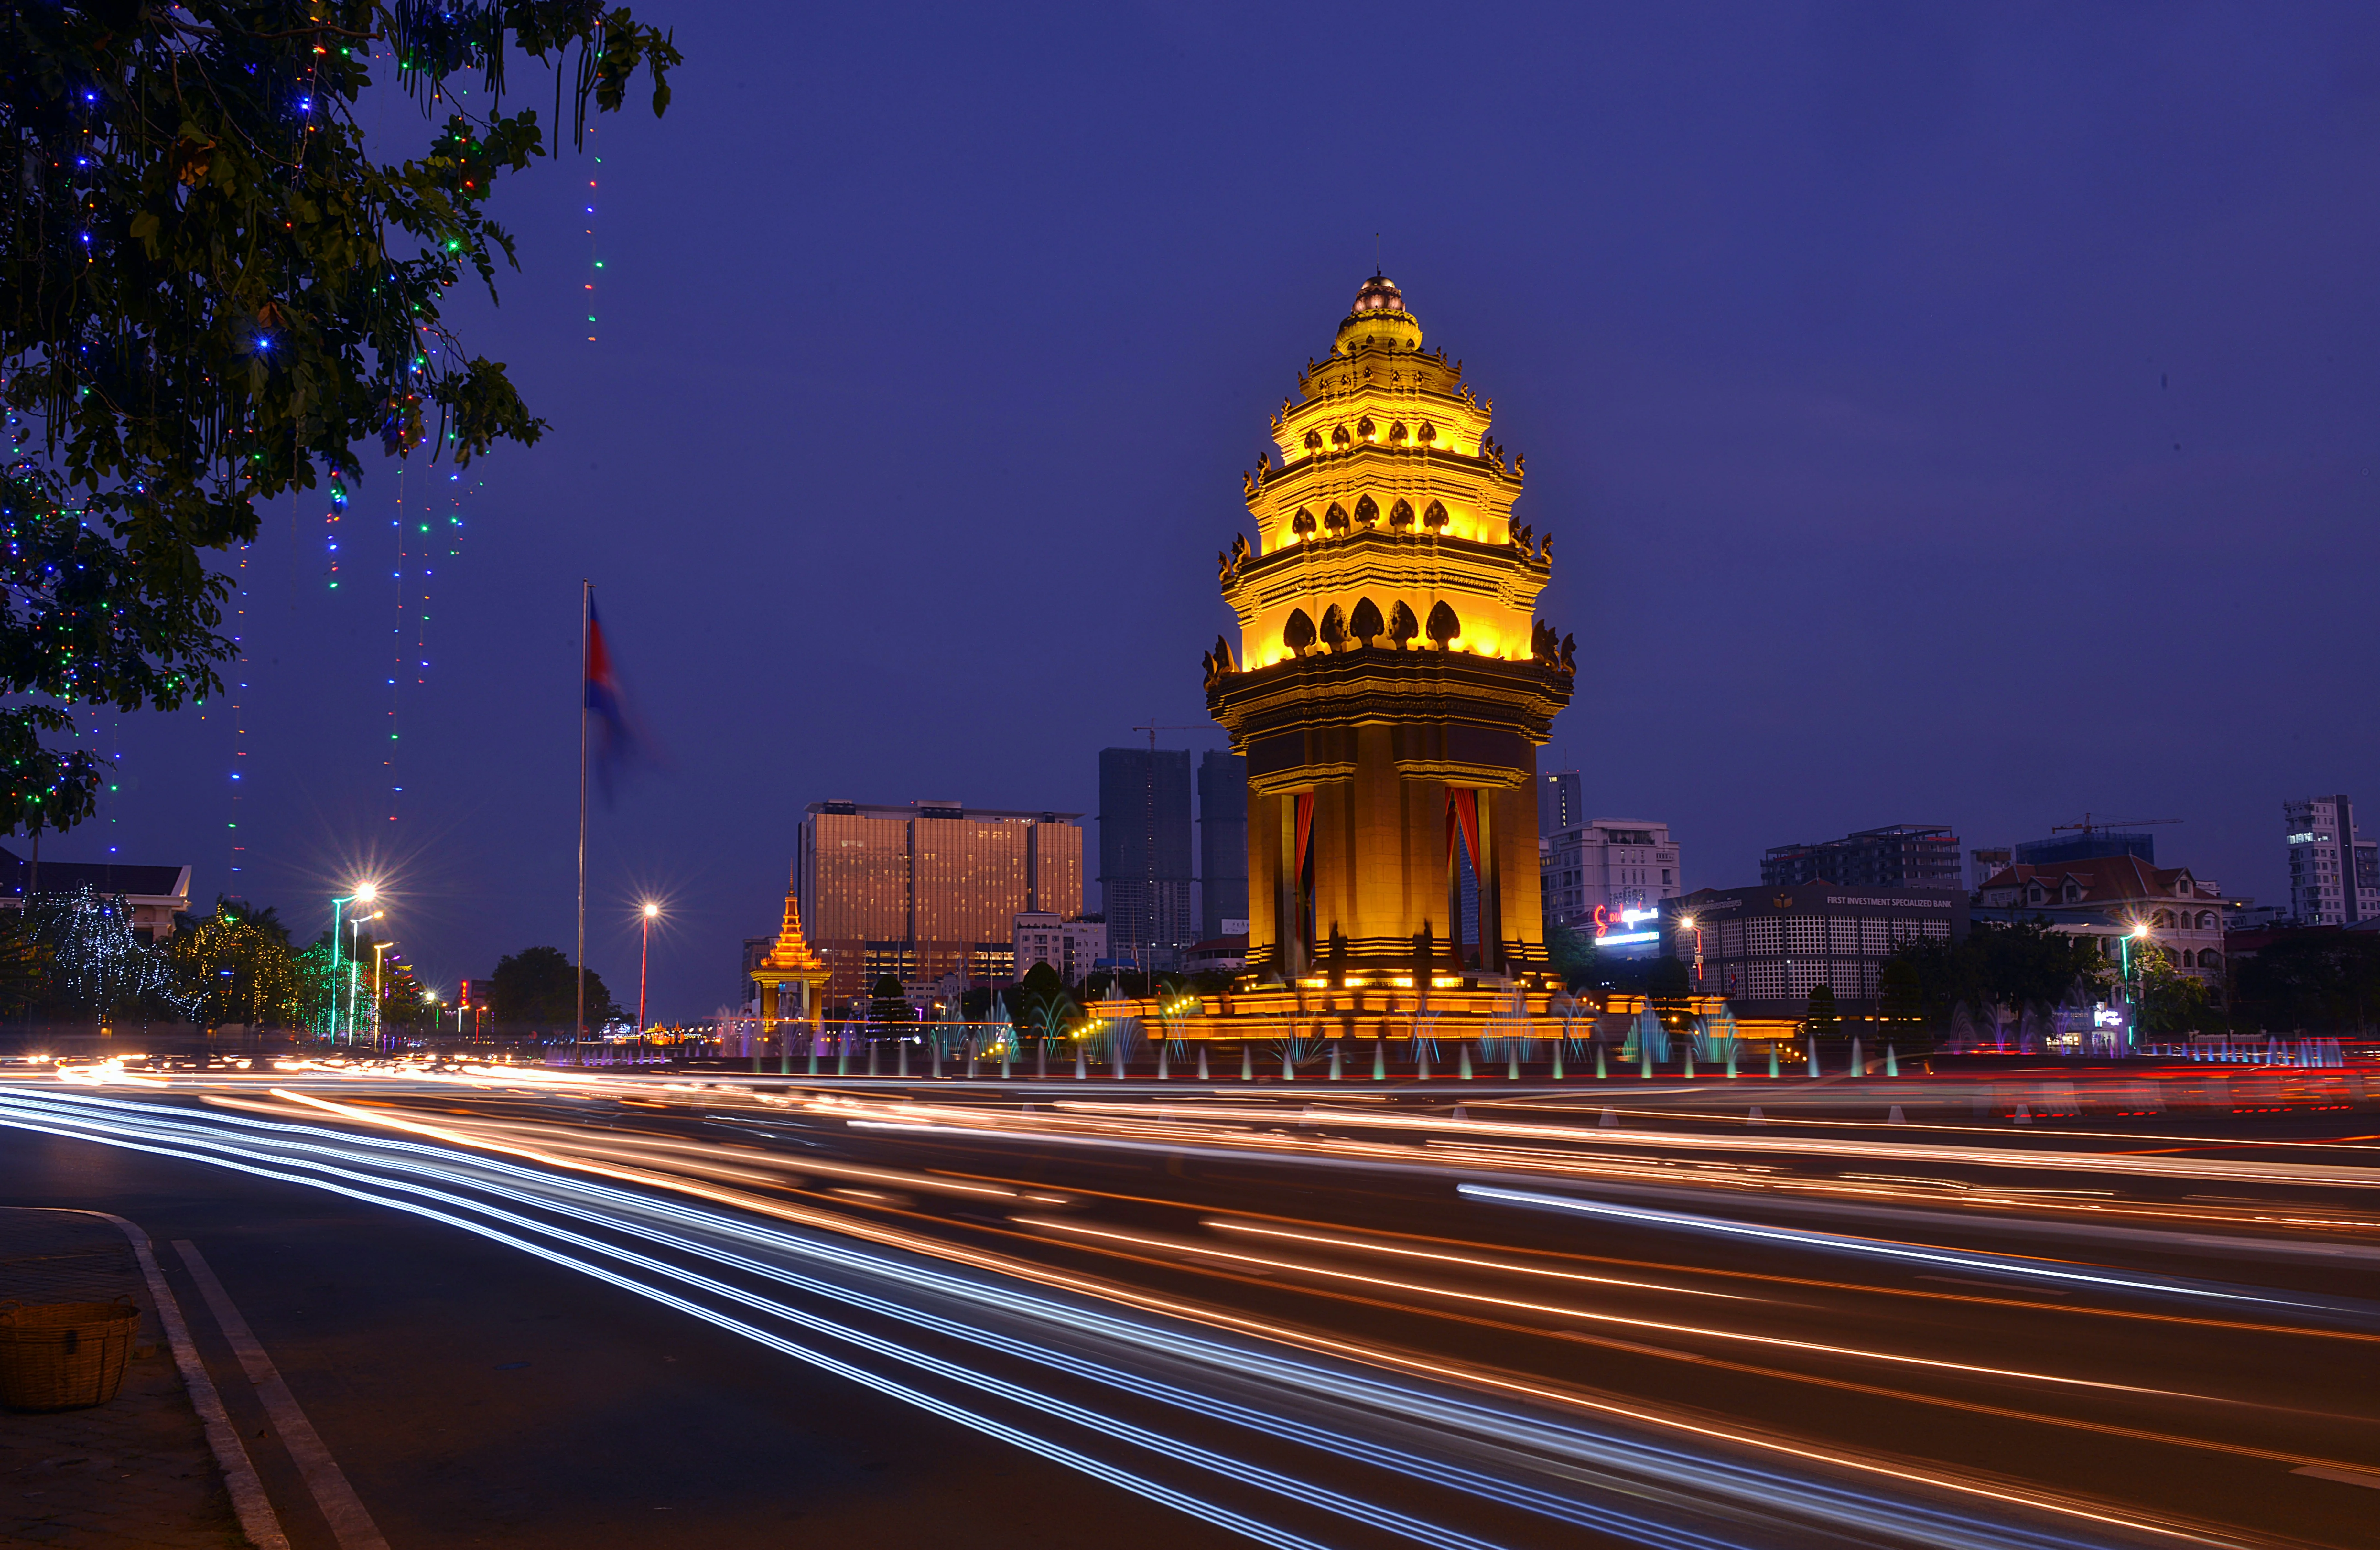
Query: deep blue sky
[{"x": 1952, "y": 415}]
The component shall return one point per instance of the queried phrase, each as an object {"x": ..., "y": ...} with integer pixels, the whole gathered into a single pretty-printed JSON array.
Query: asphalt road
[{"x": 524, "y": 1311}]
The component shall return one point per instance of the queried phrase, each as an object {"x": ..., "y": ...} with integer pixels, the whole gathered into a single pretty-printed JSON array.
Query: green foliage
[
  {"x": 1669, "y": 985},
  {"x": 888, "y": 1003},
  {"x": 2169, "y": 1001},
  {"x": 24, "y": 962},
  {"x": 236, "y": 968},
  {"x": 1820, "y": 1021},
  {"x": 1569, "y": 955},
  {"x": 211, "y": 292},
  {"x": 1040, "y": 983},
  {"x": 538, "y": 987},
  {"x": 1901, "y": 995},
  {"x": 320, "y": 992},
  {"x": 2022, "y": 963},
  {"x": 401, "y": 1003},
  {"x": 2325, "y": 981}
]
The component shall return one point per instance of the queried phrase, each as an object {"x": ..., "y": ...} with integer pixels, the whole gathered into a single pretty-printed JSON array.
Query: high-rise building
[
  {"x": 2333, "y": 871},
  {"x": 1144, "y": 878},
  {"x": 1898, "y": 856},
  {"x": 1223, "y": 846},
  {"x": 1595, "y": 874},
  {"x": 930, "y": 889},
  {"x": 1562, "y": 802},
  {"x": 2090, "y": 845}
]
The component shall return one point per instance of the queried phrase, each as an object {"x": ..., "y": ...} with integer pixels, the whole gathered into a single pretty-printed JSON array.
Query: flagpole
[{"x": 586, "y": 609}]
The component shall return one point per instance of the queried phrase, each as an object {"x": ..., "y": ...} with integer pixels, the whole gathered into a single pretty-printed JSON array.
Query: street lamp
[
  {"x": 354, "y": 974},
  {"x": 364, "y": 894},
  {"x": 652, "y": 912},
  {"x": 379, "y": 1042}
]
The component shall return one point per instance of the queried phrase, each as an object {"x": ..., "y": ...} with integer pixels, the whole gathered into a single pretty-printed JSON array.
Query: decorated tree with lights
[
  {"x": 213, "y": 291},
  {"x": 401, "y": 1003},
  {"x": 236, "y": 966},
  {"x": 100, "y": 966},
  {"x": 321, "y": 986}
]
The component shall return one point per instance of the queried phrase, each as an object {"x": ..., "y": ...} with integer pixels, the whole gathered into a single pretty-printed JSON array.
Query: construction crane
[
  {"x": 1148, "y": 841},
  {"x": 2088, "y": 827}
]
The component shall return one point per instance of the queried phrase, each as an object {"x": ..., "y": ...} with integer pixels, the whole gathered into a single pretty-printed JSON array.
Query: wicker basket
[{"x": 64, "y": 1356}]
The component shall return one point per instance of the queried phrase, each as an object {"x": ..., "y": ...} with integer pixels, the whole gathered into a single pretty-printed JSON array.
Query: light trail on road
[{"x": 1383, "y": 1439}]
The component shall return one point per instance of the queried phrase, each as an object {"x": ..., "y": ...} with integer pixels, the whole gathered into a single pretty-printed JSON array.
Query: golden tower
[
  {"x": 790, "y": 961},
  {"x": 1392, "y": 683}
]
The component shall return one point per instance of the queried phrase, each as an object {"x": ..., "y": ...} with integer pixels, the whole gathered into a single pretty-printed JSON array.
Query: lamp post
[
  {"x": 355, "y": 973},
  {"x": 380, "y": 1041},
  {"x": 364, "y": 894},
  {"x": 651, "y": 912},
  {"x": 2139, "y": 930}
]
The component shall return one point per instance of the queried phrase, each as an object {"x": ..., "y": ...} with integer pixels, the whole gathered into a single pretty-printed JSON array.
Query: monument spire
[{"x": 1392, "y": 683}]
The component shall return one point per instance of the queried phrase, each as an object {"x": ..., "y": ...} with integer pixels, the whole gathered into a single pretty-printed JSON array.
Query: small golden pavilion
[{"x": 791, "y": 962}]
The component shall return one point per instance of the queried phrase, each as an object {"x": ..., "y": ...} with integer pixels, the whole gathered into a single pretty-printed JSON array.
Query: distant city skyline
[{"x": 1935, "y": 416}]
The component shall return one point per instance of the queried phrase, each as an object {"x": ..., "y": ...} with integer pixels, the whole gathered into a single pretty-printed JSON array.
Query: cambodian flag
[{"x": 618, "y": 744}]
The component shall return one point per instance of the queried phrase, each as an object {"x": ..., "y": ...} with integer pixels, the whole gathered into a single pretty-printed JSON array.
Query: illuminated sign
[
  {"x": 2307, "y": 839},
  {"x": 1604, "y": 920},
  {"x": 1627, "y": 938},
  {"x": 2105, "y": 1016}
]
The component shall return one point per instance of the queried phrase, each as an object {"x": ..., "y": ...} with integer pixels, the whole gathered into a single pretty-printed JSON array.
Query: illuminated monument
[
  {"x": 790, "y": 964},
  {"x": 1392, "y": 683}
]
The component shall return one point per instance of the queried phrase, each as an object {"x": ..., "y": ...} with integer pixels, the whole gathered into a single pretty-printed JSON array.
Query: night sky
[{"x": 1945, "y": 415}]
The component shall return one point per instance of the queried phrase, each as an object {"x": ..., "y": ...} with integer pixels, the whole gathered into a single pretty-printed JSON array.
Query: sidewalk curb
[{"x": 247, "y": 1499}]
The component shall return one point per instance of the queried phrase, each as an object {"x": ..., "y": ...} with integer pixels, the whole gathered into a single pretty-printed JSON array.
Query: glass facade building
[
  {"x": 1223, "y": 846},
  {"x": 1144, "y": 878}
]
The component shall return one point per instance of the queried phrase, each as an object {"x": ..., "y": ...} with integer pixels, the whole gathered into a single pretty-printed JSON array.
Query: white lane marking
[
  {"x": 248, "y": 1497},
  {"x": 348, "y": 1520},
  {"x": 2368, "y": 1479}
]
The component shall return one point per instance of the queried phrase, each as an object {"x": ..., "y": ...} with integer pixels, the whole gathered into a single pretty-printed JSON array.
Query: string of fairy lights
[
  {"x": 594, "y": 259},
  {"x": 426, "y": 527}
]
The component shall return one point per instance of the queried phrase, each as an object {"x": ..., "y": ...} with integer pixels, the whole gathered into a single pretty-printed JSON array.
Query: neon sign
[{"x": 1604, "y": 920}]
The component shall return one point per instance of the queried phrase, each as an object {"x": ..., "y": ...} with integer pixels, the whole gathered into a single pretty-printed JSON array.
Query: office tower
[
  {"x": 1145, "y": 878},
  {"x": 930, "y": 889},
  {"x": 1222, "y": 845}
]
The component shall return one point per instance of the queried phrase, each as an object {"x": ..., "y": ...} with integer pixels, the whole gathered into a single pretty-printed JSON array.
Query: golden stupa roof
[{"x": 791, "y": 954}]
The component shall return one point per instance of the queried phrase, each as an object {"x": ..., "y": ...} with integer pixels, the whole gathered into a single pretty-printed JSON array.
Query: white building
[
  {"x": 1071, "y": 948},
  {"x": 1611, "y": 865},
  {"x": 2113, "y": 897},
  {"x": 2333, "y": 871}
]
